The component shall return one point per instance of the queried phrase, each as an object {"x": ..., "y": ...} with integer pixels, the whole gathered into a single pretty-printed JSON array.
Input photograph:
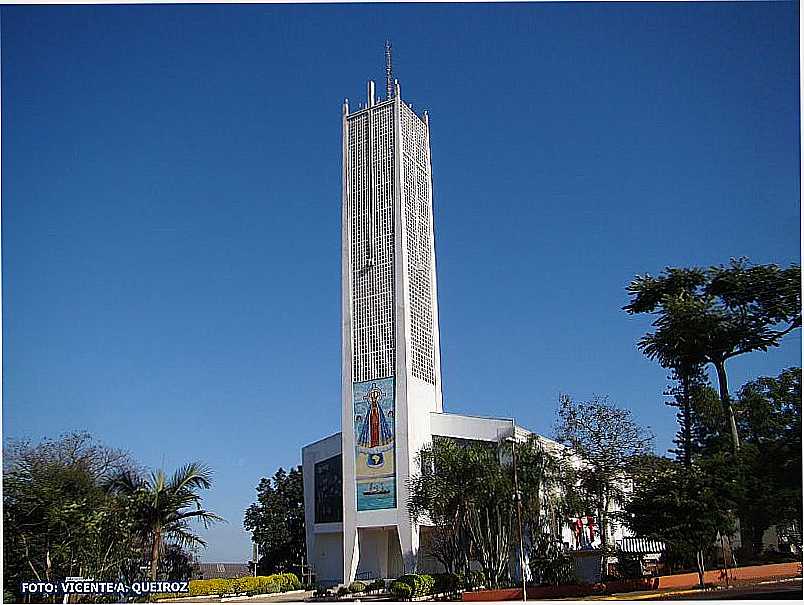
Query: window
[{"x": 329, "y": 490}]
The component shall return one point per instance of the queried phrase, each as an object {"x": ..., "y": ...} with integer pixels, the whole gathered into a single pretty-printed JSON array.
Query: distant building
[
  {"x": 209, "y": 571},
  {"x": 355, "y": 481}
]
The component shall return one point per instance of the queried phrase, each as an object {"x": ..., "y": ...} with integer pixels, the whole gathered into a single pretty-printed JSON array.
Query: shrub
[
  {"x": 550, "y": 563},
  {"x": 426, "y": 585},
  {"x": 447, "y": 583},
  {"x": 356, "y": 587},
  {"x": 376, "y": 586},
  {"x": 401, "y": 590},
  {"x": 473, "y": 579},
  {"x": 250, "y": 585},
  {"x": 342, "y": 591},
  {"x": 288, "y": 581},
  {"x": 411, "y": 580}
]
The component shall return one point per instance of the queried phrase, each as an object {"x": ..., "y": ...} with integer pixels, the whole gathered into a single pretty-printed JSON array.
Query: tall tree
[
  {"x": 710, "y": 315},
  {"x": 683, "y": 506},
  {"x": 692, "y": 397},
  {"x": 610, "y": 445},
  {"x": 465, "y": 490},
  {"x": 58, "y": 519},
  {"x": 438, "y": 496},
  {"x": 276, "y": 521},
  {"x": 163, "y": 507},
  {"x": 768, "y": 413}
]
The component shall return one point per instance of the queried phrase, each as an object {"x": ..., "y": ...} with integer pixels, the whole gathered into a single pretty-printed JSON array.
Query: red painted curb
[{"x": 684, "y": 580}]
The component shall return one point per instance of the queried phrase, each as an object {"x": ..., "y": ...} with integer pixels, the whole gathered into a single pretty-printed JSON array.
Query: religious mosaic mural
[{"x": 375, "y": 435}]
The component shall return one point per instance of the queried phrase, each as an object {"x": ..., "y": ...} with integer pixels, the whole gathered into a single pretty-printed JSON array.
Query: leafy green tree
[
  {"x": 768, "y": 414},
  {"x": 685, "y": 507},
  {"x": 276, "y": 521},
  {"x": 711, "y": 315},
  {"x": 58, "y": 519},
  {"x": 610, "y": 446},
  {"x": 690, "y": 383},
  {"x": 465, "y": 490},
  {"x": 175, "y": 563},
  {"x": 163, "y": 507},
  {"x": 437, "y": 496},
  {"x": 546, "y": 482}
]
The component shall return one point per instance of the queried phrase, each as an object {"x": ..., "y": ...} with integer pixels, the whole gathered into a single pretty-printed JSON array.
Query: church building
[{"x": 355, "y": 481}]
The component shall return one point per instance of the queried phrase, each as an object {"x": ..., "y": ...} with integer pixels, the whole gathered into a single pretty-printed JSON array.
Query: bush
[
  {"x": 629, "y": 566},
  {"x": 550, "y": 563},
  {"x": 401, "y": 590},
  {"x": 376, "y": 586},
  {"x": 420, "y": 585},
  {"x": 288, "y": 581},
  {"x": 281, "y": 582},
  {"x": 447, "y": 583},
  {"x": 413, "y": 581},
  {"x": 426, "y": 585},
  {"x": 356, "y": 587},
  {"x": 342, "y": 591},
  {"x": 472, "y": 580}
]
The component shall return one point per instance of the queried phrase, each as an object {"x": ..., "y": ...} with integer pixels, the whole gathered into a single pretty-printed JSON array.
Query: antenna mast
[{"x": 389, "y": 72}]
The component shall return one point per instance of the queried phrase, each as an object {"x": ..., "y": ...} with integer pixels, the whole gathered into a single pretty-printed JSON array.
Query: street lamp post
[
  {"x": 255, "y": 554},
  {"x": 518, "y": 498}
]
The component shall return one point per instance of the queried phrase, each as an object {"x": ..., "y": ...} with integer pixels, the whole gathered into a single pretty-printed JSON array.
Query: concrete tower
[{"x": 391, "y": 360}]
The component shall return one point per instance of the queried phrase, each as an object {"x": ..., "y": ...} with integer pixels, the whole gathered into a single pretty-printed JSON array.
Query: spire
[{"x": 389, "y": 72}]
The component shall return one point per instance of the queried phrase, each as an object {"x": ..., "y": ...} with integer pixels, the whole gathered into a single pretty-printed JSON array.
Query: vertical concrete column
[
  {"x": 409, "y": 542},
  {"x": 351, "y": 554}
]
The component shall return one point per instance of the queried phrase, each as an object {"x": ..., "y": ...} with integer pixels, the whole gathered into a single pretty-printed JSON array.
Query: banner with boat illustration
[{"x": 375, "y": 435}]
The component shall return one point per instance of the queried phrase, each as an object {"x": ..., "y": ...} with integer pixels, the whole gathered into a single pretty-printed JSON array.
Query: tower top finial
[{"x": 389, "y": 72}]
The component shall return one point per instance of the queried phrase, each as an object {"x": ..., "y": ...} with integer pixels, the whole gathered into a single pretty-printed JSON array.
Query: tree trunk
[
  {"x": 687, "y": 429},
  {"x": 725, "y": 401},
  {"x": 757, "y": 545},
  {"x": 603, "y": 528},
  {"x": 155, "y": 555},
  {"x": 699, "y": 561}
]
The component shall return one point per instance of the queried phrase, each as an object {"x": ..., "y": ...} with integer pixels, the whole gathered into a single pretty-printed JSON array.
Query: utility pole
[{"x": 518, "y": 498}]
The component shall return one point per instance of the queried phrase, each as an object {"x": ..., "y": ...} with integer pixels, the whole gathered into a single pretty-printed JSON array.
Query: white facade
[{"x": 389, "y": 313}]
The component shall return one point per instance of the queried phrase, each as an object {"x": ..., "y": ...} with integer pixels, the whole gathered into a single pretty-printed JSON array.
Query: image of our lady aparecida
[{"x": 375, "y": 472}]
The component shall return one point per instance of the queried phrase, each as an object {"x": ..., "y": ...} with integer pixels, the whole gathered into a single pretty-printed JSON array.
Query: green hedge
[
  {"x": 401, "y": 590},
  {"x": 280, "y": 582}
]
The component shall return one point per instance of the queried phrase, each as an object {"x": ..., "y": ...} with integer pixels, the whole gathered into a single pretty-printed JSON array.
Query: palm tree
[{"x": 163, "y": 508}]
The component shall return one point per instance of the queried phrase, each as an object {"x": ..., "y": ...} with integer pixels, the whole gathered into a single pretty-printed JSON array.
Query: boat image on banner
[{"x": 375, "y": 468}]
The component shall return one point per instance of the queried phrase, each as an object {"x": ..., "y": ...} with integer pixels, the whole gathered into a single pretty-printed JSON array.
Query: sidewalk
[{"x": 783, "y": 589}]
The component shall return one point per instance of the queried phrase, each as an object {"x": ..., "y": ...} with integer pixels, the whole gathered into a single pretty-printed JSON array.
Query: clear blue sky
[{"x": 171, "y": 207}]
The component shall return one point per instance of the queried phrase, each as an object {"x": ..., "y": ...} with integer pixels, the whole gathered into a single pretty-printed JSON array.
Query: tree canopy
[
  {"x": 276, "y": 521},
  {"x": 609, "y": 444},
  {"x": 710, "y": 315},
  {"x": 61, "y": 518}
]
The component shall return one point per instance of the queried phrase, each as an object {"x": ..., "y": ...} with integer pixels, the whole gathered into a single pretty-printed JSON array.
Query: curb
[{"x": 260, "y": 596}]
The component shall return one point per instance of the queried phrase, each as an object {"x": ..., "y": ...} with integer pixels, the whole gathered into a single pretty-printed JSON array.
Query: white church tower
[
  {"x": 357, "y": 523},
  {"x": 391, "y": 360}
]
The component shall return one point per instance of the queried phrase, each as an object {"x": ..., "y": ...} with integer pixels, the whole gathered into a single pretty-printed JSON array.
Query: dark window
[{"x": 329, "y": 490}]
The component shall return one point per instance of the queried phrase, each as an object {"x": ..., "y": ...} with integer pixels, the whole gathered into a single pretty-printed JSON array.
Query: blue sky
[{"x": 171, "y": 207}]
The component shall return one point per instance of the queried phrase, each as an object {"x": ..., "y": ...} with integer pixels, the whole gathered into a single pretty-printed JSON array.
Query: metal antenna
[{"x": 389, "y": 72}]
